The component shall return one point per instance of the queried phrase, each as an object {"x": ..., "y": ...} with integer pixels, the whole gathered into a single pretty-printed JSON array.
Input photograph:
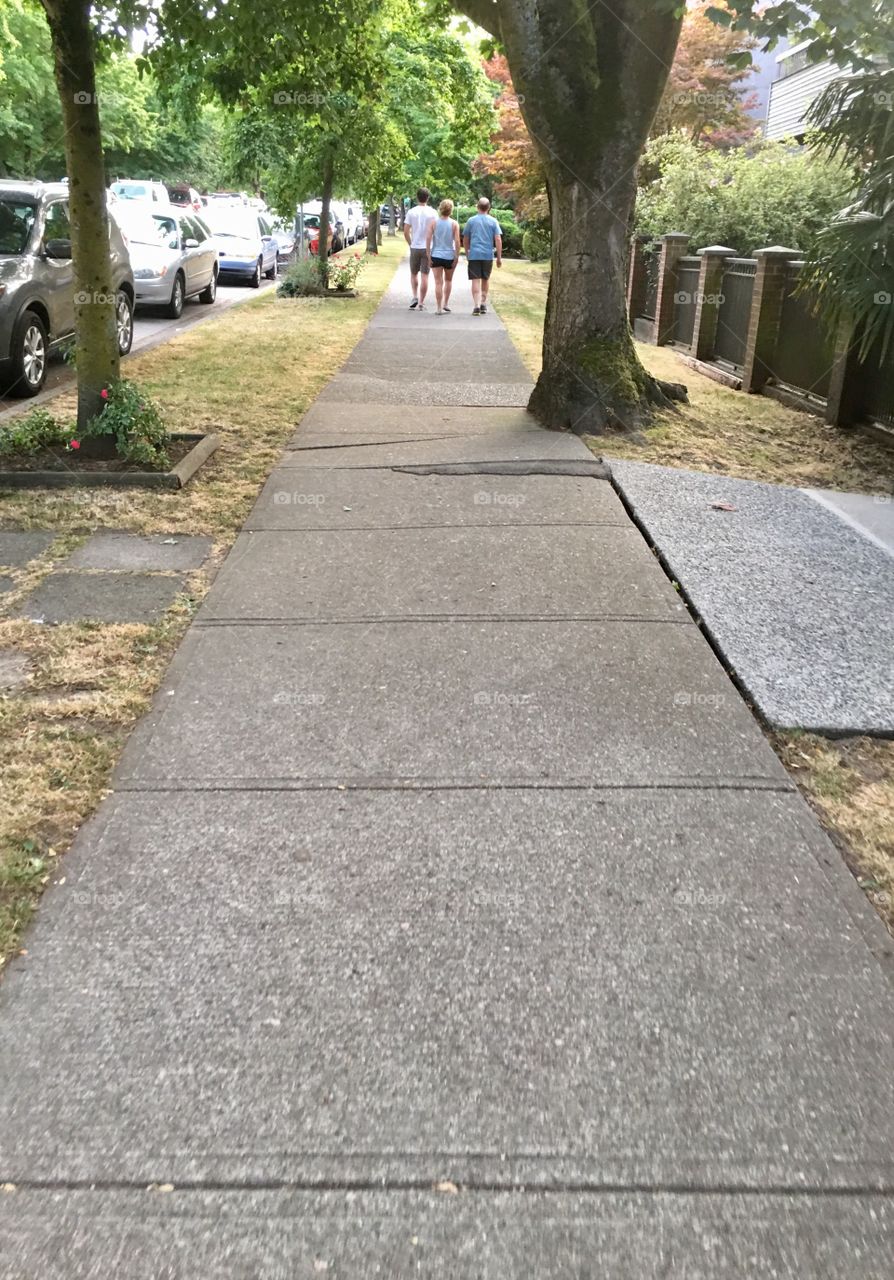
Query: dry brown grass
[
  {"x": 720, "y": 430},
  {"x": 249, "y": 376},
  {"x": 849, "y": 783}
]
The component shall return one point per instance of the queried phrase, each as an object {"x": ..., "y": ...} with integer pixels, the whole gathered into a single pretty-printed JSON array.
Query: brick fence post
[
  {"x": 673, "y": 248},
  {"x": 770, "y": 284},
  {"x": 707, "y": 306},
  {"x": 636, "y": 277}
]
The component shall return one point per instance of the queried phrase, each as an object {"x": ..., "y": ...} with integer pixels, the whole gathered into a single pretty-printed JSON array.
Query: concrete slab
[
  {"x": 361, "y": 389},
  {"x": 319, "y": 451},
  {"x": 106, "y": 597},
  {"x": 356, "y": 498},
  {"x": 471, "y": 703},
  {"x": 504, "y": 1235},
  {"x": 435, "y": 356},
  {"x": 14, "y": 670},
  {"x": 18, "y": 546},
  {"x": 120, "y": 549},
  {"x": 798, "y": 602},
  {"x": 6, "y": 583},
  {"x": 369, "y": 421},
  {"x": 523, "y": 571},
  {"x": 496, "y": 987},
  {"x": 872, "y": 515}
]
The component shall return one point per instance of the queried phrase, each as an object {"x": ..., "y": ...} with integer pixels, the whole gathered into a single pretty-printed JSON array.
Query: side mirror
[
  {"x": 190, "y": 243},
  {"x": 59, "y": 249}
]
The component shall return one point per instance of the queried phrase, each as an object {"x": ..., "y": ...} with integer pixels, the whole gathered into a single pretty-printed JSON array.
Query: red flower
[
  {"x": 74, "y": 444},
  {"x": 104, "y": 394}
]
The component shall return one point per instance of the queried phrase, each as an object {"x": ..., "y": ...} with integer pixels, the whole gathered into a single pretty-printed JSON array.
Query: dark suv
[{"x": 37, "y": 291}]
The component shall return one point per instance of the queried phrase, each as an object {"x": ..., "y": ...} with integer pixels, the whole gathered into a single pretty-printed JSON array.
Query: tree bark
[
  {"x": 372, "y": 229},
  {"x": 96, "y": 339},
  {"x": 392, "y": 228},
  {"x": 325, "y": 205},
  {"x": 589, "y": 80}
]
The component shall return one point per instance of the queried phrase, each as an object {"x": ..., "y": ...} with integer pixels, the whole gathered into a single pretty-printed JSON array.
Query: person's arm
[
  {"x": 429, "y": 236},
  {"x": 467, "y": 239},
  {"x": 455, "y": 240},
  {"x": 498, "y": 245},
  {"x": 408, "y": 234}
]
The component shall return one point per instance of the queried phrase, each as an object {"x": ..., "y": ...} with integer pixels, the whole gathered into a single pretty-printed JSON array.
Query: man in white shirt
[{"x": 416, "y": 235}]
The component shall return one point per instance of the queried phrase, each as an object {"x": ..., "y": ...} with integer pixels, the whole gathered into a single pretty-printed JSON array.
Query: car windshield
[
  {"x": 232, "y": 223},
  {"x": 179, "y": 197},
  {"x": 16, "y": 221},
  {"x": 132, "y": 190},
  {"x": 156, "y": 229}
]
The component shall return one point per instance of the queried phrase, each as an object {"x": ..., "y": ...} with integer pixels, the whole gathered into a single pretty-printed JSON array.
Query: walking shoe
[
  {"x": 414, "y": 303},
  {"x": 477, "y": 311},
  {"x": 483, "y": 309},
  {"x": 446, "y": 311},
  {"x": 421, "y": 306}
]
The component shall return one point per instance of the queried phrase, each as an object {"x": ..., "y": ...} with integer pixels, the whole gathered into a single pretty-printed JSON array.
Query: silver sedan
[{"x": 173, "y": 254}]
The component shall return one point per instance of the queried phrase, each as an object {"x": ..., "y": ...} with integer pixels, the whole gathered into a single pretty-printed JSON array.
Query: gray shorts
[{"x": 419, "y": 261}]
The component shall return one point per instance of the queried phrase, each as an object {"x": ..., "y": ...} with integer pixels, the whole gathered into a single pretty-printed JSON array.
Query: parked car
[
  {"x": 37, "y": 294},
  {"x": 141, "y": 190},
  {"x": 355, "y": 221},
  {"x": 223, "y": 198},
  {"x": 284, "y": 235},
  {"x": 245, "y": 240},
  {"x": 384, "y": 216},
  {"x": 185, "y": 197},
  {"x": 312, "y": 232},
  {"x": 173, "y": 255}
]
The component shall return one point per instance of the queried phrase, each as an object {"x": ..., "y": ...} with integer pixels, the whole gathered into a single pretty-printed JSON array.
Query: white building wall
[{"x": 790, "y": 99}]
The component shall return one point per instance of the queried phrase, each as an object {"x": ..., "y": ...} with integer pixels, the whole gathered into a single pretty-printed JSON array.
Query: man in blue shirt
[{"x": 483, "y": 240}]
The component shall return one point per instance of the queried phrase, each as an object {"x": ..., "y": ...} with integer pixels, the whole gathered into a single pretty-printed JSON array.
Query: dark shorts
[
  {"x": 447, "y": 263},
  {"x": 480, "y": 268},
  {"x": 419, "y": 261}
]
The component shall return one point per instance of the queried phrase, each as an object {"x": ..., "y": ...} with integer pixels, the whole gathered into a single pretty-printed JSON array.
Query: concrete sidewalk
[{"x": 451, "y": 916}]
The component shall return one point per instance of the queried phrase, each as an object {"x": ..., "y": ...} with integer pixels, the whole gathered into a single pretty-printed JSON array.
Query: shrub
[
  {"x": 537, "y": 244},
  {"x": 512, "y": 232},
  {"x": 135, "y": 422},
  {"x": 747, "y": 198},
  {"x": 342, "y": 272},
  {"x": 303, "y": 279},
  {"x": 36, "y": 431}
]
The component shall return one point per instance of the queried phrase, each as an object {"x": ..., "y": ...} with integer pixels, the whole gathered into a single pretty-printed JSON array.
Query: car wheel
[
  {"x": 274, "y": 270},
  {"x": 255, "y": 278},
  {"x": 209, "y": 293},
  {"x": 178, "y": 297},
  {"x": 29, "y": 355},
  {"x": 124, "y": 322}
]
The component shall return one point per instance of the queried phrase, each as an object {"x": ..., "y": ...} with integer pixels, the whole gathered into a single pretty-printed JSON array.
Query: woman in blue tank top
[{"x": 443, "y": 253}]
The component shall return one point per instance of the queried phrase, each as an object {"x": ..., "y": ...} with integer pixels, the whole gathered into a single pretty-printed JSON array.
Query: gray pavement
[
  {"x": 797, "y": 598},
  {"x": 451, "y": 915}
]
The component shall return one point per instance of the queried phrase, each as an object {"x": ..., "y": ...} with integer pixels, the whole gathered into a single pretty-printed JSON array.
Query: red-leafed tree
[
  {"x": 707, "y": 94},
  {"x": 514, "y": 164}
]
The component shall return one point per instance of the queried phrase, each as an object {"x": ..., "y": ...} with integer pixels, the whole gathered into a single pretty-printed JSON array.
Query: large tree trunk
[
  {"x": 96, "y": 339},
  {"x": 392, "y": 226},
  {"x": 372, "y": 229},
  {"x": 589, "y": 80}
]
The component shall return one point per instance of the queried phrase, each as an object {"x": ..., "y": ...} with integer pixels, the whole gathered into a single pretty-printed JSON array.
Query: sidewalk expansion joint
[
  {"x": 425, "y": 618},
  {"x": 400, "y": 528},
  {"x": 586, "y": 467},
  {"x": 565, "y": 1186},
  {"x": 704, "y": 785}
]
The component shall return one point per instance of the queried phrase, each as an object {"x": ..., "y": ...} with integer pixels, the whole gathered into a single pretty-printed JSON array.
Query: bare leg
[
  {"x": 448, "y": 285},
  {"x": 476, "y": 292},
  {"x": 485, "y": 286},
  {"x": 439, "y": 285},
  {"x": 423, "y": 286},
  {"x": 414, "y": 283}
]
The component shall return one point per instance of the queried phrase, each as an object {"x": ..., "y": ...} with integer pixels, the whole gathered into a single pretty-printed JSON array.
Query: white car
[
  {"x": 140, "y": 190},
  {"x": 173, "y": 255}
]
